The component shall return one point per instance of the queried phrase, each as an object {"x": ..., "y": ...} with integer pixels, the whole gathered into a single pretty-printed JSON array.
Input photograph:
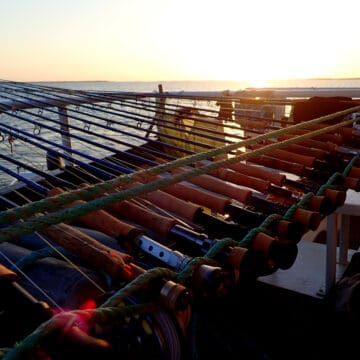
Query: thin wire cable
[{"x": 31, "y": 281}]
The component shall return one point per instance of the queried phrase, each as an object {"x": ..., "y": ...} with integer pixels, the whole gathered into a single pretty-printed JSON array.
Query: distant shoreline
[{"x": 165, "y": 81}]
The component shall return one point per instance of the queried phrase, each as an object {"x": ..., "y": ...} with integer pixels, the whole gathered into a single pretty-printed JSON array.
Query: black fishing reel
[
  {"x": 158, "y": 332},
  {"x": 152, "y": 335}
]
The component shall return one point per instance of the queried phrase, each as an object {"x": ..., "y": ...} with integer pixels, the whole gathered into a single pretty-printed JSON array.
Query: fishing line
[
  {"x": 76, "y": 267},
  {"x": 146, "y": 204},
  {"x": 66, "y": 259},
  {"x": 17, "y": 133},
  {"x": 137, "y": 119},
  {"x": 111, "y": 139},
  {"x": 31, "y": 282}
]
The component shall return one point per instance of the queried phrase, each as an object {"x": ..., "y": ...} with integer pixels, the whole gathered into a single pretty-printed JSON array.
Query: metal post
[
  {"x": 331, "y": 248},
  {"x": 160, "y": 108},
  {"x": 64, "y": 126},
  {"x": 344, "y": 238}
]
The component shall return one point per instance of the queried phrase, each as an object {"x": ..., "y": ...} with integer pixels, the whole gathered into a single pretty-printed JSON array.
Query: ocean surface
[
  {"x": 38, "y": 161},
  {"x": 214, "y": 85}
]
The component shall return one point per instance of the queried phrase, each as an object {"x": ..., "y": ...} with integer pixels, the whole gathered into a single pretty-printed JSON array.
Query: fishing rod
[
  {"x": 314, "y": 176},
  {"x": 102, "y": 162},
  {"x": 134, "y": 127},
  {"x": 72, "y": 243},
  {"x": 177, "y": 231},
  {"x": 236, "y": 100},
  {"x": 280, "y": 254},
  {"x": 160, "y": 112},
  {"x": 88, "y": 130},
  {"x": 62, "y": 132},
  {"x": 211, "y": 223},
  {"x": 16, "y": 133},
  {"x": 88, "y": 122},
  {"x": 42, "y": 190},
  {"x": 244, "y": 216},
  {"x": 47, "y": 176},
  {"x": 331, "y": 151},
  {"x": 169, "y": 294},
  {"x": 247, "y": 176},
  {"x": 18, "y": 306},
  {"x": 309, "y": 159},
  {"x": 143, "y": 189}
]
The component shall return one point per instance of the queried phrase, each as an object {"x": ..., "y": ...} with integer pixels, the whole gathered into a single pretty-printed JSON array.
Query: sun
[{"x": 258, "y": 83}]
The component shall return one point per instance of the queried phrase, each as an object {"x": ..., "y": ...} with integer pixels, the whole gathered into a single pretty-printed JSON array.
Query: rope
[
  {"x": 350, "y": 165},
  {"x": 66, "y": 320},
  {"x": 219, "y": 246},
  {"x": 88, "y": 193},
  {"x": 330, "y": 184},
  {"x": 138, "y": 283},
  {"x": 264, "y": 227},
  {"x": 114, "y": 307}
]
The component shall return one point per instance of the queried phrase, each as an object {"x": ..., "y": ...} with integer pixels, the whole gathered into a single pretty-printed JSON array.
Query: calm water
[
  {"x": 32, "y": 158},
  {"x": 201, "y": 85}
]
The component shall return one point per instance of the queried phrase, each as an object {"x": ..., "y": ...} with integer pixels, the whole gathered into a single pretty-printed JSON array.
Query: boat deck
[{"x": 179, "y": 225}]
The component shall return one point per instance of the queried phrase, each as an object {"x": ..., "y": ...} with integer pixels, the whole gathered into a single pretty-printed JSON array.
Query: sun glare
[{"x": 258, "y": 83}]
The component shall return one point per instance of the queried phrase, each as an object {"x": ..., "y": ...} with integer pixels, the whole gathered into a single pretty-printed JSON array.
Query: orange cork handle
[
  {"x": 331, "y": 138},
  {"x": 347, "y": 132},
  {"x": 173, "y": 204},
  {"x": 274, "y": 163},
  {"x": 88, "y": 249},
  {"x": 320, "y": 204},
  {"x": 292, "y": 157},
  {"x": 326, "y": 137},
  {"x": 199, "y": 196},
  {"x": 310, "y": 219},
  {"x": 256, "y": 172},
  {"x": 7, "y": 275},
  {"x": 236, "y": 256},
  {"x": 216, "y": 185},
  {"x": 337, "y": 197},
  {"x": 329, "y": 147},
  {"x": 244, "y": 180},
  {"x": 262, "y": 242},
  {"x": 305, "y": 150},
  {"x": 102, "y": 221},
  {"x": 352, "y": 183},
  {"x": 149, "y": 219},
  {"x": 355, "y": 172}
]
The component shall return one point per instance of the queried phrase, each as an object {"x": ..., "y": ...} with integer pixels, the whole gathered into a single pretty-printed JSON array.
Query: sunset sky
[{"x": 152, "y": 40}]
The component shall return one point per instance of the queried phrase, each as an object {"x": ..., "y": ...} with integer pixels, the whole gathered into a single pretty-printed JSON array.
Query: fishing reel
[
  {"x": 152, "y": 335},
  {"x": 159, "y": 332}
]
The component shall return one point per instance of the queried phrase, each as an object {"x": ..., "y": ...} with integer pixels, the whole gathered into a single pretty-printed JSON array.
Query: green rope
[
  {"x": 330, "y": 184},
  {"x": 249, "y": 237},
  {"x": 350, "y": 165},
  {"x": 56, "y": 323},
  {"x": 219, "y": 246},
  {"x": 111, "y": 308},
  {"x": 138, "y": 283},
  {"x": 300, "y": 204},
  {"x": 190, "y": 267},
  {"x": 264, "y": 227},
  {"x": 269, "y": 220},
  {"x": 40, "y": 223}
]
